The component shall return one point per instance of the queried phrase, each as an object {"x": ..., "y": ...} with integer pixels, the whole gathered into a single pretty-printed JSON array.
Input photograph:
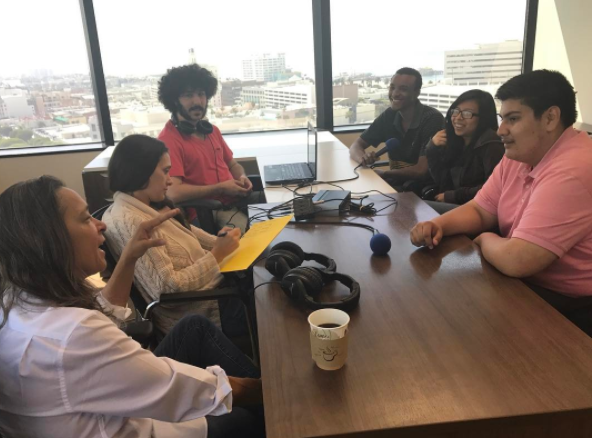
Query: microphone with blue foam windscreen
[{"x": 390, "y": 145}]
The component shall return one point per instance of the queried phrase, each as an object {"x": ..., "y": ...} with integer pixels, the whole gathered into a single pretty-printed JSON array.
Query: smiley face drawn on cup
[{"x": 329, "y": 353}]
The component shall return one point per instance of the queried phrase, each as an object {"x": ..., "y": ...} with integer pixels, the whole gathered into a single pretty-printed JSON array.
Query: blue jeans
[{"x": 196, "y": 341}]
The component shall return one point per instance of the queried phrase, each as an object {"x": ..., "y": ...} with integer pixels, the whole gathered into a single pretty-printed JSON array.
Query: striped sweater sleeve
[{"x": 155, "y": 269}]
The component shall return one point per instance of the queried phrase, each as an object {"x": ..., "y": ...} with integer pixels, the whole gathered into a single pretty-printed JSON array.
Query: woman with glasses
[{"x": 463, "y": 156}]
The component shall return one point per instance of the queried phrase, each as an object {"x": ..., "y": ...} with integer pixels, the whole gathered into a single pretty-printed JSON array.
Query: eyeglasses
[{"x": 466, "y": 114}]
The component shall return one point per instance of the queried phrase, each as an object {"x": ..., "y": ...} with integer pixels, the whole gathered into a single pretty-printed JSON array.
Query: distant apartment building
[
  {"x": 17, "y": 106},
  {"x": 280, "y": 96},
  {"x": 266, "y": 67},
  {"x": 487, "y": 64},
  {"x": 347, "y": 91},
  {"x": 228, "y": 94},
  {"x": 442, "y": 96}
]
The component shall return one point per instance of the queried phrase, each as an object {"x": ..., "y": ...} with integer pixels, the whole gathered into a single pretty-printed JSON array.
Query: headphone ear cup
[
  {"x": 290, "y": 246},
  {"x": 279, "y": 262},
  {"x": 314, "y": 280},
  {"x": 300, "y": 284}
]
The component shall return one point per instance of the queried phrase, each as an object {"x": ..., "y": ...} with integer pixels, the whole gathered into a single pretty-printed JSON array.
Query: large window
[
  {"x": 262, "y": 55},
  {"x": 46, "y": 97},
  {"x": 455, "y": 46},
  {"x": 261, "y": 51}
]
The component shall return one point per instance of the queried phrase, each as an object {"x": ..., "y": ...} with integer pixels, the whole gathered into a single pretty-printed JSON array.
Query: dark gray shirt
[{"x": 426, "y": 123}]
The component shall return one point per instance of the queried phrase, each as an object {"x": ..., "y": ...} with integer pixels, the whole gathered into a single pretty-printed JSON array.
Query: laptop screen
[{"x": 311, "y": 153}]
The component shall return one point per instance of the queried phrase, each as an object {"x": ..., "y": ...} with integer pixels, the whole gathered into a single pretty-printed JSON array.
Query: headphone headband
[
  {"x": 304, "y": 283},
  {"x": 287, "y": 255},
  {"x": 187, "y": 128}
]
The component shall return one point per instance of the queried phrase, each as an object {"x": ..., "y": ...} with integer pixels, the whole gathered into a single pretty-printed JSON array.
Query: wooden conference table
[{"x": 441, "y": 344}]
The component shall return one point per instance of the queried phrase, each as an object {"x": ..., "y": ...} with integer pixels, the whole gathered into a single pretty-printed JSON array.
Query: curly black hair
[{"x": 181, "y": 79}]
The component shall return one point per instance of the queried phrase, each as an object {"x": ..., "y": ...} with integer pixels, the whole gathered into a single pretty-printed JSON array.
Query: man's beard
[{"x": 186, "y": 114}]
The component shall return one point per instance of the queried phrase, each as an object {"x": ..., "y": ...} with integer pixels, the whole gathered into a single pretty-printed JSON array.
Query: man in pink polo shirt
[
  {"x": 203, "y": 165},
  {"x": 539, "y": 196}
]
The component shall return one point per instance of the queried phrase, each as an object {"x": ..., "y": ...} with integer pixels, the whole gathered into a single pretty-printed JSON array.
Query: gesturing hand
[{"x": 141, "y": 241}]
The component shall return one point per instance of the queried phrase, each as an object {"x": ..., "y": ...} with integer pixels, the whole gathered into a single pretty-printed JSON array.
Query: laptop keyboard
[{"x": 292, "y": 171}]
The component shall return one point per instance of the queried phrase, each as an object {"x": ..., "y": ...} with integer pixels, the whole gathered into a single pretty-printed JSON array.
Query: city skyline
[{"x": 152, "y": 48}]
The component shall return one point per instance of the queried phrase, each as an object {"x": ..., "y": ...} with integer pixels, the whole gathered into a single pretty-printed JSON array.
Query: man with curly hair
[{"x": 203, "y": 165}]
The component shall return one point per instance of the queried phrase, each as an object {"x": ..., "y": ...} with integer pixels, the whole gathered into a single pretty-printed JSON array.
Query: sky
[{"x": 142, "y": 37}]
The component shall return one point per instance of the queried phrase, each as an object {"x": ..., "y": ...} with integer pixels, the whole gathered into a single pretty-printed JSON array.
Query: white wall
[
  {"x": 68, "y": 167},
  {"x": 564, "y": 43}
]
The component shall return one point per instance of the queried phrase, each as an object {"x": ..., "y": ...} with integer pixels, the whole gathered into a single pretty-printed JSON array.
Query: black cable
[
  {"x": 263, "y": 284},
  {"x": 345, "y": 224}
]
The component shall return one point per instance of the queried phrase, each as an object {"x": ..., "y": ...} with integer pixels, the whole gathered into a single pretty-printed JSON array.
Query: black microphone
[{"x": 390, "y": 144}]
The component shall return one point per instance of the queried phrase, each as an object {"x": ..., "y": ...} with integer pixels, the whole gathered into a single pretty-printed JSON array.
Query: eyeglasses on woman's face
[{"x": 465, "y": 114}]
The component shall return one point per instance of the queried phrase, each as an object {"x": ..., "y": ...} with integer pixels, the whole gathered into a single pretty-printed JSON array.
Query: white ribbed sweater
[{"x": 182, "y": 264}]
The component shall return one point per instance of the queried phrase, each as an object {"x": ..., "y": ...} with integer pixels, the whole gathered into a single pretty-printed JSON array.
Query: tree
[
  {"x": 5, "y": 131},
  {"x": 23, "y": 134},
  {"x": 11, "y": 143}
]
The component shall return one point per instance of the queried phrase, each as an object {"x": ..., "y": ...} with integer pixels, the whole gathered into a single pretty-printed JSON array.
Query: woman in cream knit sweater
[{"x": 139, "y": 176}]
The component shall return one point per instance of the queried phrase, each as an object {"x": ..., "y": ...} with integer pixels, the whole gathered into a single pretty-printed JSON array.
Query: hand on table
[{"x": 426, "y": 234}]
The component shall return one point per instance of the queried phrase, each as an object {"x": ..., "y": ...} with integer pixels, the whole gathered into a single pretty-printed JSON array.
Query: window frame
[{"x": 321, "y": 10}]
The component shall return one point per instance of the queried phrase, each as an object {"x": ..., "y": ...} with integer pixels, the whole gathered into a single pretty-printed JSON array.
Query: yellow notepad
[{"x": 253, "y": 243}]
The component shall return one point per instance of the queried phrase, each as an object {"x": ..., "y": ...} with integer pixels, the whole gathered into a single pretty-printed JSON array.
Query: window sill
[
  {"x": 50, "y": 150},
  {"x": 349, "y": 129}
]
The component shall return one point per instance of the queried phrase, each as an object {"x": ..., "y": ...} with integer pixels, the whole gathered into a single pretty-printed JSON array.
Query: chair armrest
[
  {"x": 428, "y": 193},
  {"x": 256, "y": 181},
  {"x": 141, "y": 331},
  {"x": 413, "y": 185},
  {"x": 379, "y": 164},
  {"x": 201, "y": 295},
  {"x": 208, "y": 204}
]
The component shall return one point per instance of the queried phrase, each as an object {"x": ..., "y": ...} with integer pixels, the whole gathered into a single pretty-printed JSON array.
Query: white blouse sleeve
[
  {"x": 206, "y": 240},
  {"x": 105, "y": 372},
  {"x": 117, "y": 314}
]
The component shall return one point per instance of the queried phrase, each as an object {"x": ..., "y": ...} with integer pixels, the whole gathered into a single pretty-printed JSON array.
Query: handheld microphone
[{"x": 390, "y": 144}]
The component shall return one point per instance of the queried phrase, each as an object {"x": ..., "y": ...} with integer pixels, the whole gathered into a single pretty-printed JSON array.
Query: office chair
[
  {"x": 206, "y": 207},
  {"x": 142, "y": 329},
  {"x": 424, "y": 189}
]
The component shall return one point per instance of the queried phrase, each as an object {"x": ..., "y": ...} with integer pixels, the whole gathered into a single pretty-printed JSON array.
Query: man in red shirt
[
  {"x": 203, "y": 165},
  {"x": 539, "y": 195}
]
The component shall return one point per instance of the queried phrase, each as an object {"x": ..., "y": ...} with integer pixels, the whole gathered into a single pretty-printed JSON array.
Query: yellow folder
[{"x": 253, "y": 243}]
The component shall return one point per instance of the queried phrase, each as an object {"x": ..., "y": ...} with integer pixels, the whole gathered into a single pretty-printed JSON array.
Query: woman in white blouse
[
  {"x": 189, "y": 261},
  {"x": 67, "y": 370}
]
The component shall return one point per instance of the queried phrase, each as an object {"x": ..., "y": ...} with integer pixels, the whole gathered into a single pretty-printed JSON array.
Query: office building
[
  {"x": 487, "y": 64},
  {"x": 265, "y": 67}
]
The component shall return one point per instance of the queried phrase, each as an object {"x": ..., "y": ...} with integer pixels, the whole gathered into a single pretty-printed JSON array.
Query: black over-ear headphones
[
  {"x": 287, "y": 255},
  {"x": 305, "y": 283},
  {"x": 187, "y": 128}
]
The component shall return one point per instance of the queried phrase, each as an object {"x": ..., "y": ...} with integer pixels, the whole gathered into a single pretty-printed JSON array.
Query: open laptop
[{"x": 292, "y": 173}]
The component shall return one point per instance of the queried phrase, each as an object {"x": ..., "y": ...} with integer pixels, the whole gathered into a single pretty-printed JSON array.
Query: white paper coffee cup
[{"x": 329, "y": 338}]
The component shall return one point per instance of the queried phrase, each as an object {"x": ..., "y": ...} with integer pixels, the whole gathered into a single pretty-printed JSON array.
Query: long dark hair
[
  {"x": 36, "y": 252},
  {"x": 133, "y": 162},
  {"x": 487, "y": 119}
]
